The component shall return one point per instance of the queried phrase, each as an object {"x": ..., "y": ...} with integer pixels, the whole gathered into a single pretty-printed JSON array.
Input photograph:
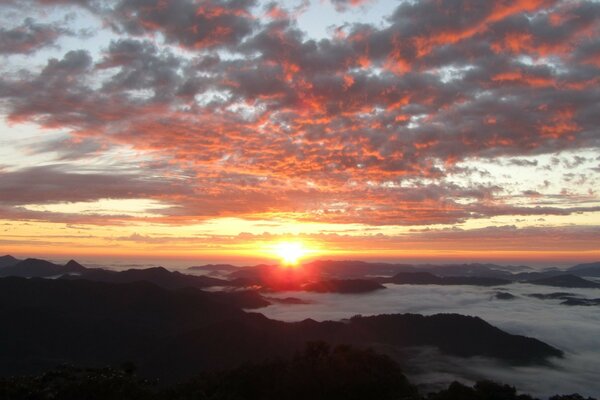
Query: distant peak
[
  {"x": 72, "y": 264},
  {"x": 8, "y": 261},
  {"x": 151, "y": 269},
  {"x": 159, "y": 268}
]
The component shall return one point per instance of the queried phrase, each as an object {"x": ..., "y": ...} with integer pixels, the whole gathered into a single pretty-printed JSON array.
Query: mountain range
[
  {"x": 175, "y": 333},
  {"x": 321, "y": 276}
]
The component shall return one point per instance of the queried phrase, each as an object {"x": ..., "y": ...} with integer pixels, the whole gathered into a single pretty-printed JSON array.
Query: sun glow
[{"x": 290, "y": 252}]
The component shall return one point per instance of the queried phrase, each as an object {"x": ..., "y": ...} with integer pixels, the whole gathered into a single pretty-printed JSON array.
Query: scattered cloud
[
  {"x": 28, "y": 37},
  {"x": 422, "y": 118}
]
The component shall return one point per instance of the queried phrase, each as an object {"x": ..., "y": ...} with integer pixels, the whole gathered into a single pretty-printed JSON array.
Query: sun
[{"x": 290, "y": 252}]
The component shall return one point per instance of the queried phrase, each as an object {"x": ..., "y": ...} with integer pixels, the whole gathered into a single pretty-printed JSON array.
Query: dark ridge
[
  {"x": 426, "y": 278},
  {"x": 489, "y": 390},
  {"x": 568, "y": 299},
  {"x": 319, "y": 372},
  {"x": 33, "y": 267},
  {"x": 588, "y": 269},
  {"x": 529, "y": 276},
  {"x": 245, "y": 282},
  {"x": 288, "y": 300},
  {"x": 274, "y": 279},
  {"x": 456, "y": 334},
  {"x": 8, "y": 261},
  {"x": 354, "y": 269},
  {"x": 343, "y": 286},
  {"x": 504, "y": 296},
  {"x": 246, "y": 299},
  {"x": 157, "y": 275},
  {"x": 566, "y": 281},
  {"x": 74, "y": 266},
  {"x": 214, "y": 267},
  {"x": 330, "y": 269},
  {"x": 174, "y": 334},
  {"x": 253, "y": 273},
  {"x": 162, "y": 277},
  {"x": 576, "y": 301},
  {"x": 361, "y": 269},
  {"x": 553, "y": 296}
]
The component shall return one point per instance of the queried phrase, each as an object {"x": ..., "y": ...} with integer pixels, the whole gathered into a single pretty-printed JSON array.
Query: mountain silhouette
[
  {"x": 173, "y": 334},
  {"x": 270, "y": 278},
  {"x": 588, "y": 269},
  {"x": 426, "y": 278},
  {"x": 343, "y": 286},
  {"x": 33, "y": 267},
  {"x": 578, "y": 301},
  {"x": 157, "y": 275},
  {"x": 552, "y": 296},
  {"x": 504, "y": 296},
  {"x": 8, "y": 261},
  {"x": 214, "y": 268},
  {"x": 74, "y": 266},
  {"x": 317, "y": 372},
  {"x": 568, "y": 299},
  {"x": 565, "y": 281}
]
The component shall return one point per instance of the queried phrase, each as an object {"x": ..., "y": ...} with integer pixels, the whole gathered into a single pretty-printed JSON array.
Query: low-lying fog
[{"x": 573, "y": 329}]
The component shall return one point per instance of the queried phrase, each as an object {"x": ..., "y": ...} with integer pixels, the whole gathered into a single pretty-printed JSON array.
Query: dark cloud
[
  {"x": 194, "y": 25},
  {"x": 141, "y": 67},
  {"x": 344, "y": 5},
  {"x": 55, "y": 183},
  {"x": 28, "y": 37},
  {"x": 67, "y": 148},
  {"x": 521, "y": 162}
]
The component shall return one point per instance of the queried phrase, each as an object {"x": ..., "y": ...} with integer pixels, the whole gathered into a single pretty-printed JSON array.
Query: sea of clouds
[{"x": 573, "y": 329}]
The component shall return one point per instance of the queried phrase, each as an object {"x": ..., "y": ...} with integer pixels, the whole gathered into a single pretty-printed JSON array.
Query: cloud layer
[{"x": 575, "y": 330}]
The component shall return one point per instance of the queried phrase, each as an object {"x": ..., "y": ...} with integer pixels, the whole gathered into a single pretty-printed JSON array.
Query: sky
[{"x": 214, "y": 130}]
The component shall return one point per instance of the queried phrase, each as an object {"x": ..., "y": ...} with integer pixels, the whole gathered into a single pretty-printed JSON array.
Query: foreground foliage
[{"x": 319, "y": 373}]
